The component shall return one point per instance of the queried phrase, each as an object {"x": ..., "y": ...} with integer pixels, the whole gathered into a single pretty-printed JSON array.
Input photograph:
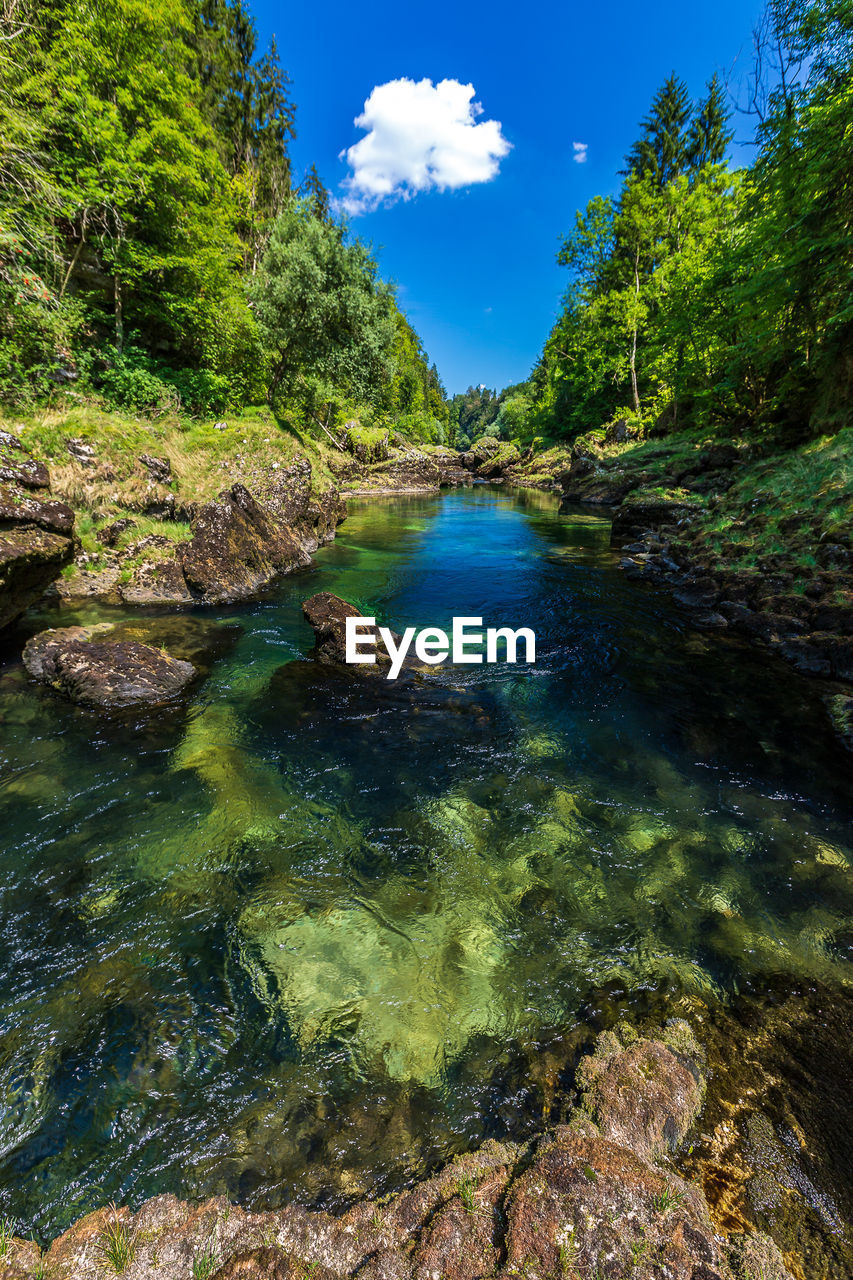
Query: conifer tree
[
  {"x": 709, "y": 134},
  {"x": 313, "y": 190},
  {"x": 661, "y": 151}
]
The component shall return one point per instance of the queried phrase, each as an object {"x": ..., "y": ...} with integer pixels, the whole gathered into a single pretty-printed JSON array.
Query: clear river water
[{"x": 307, "y": 935}]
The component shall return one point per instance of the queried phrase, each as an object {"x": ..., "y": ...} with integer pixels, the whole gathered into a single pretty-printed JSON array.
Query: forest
[
  {"x": 704, "y": 293},
  {"x": 158, "y": 252}
]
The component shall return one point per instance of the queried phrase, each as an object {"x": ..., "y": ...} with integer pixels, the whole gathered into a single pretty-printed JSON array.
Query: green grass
[
  {"x": 466, "y": 1188},
  {"x": 7, "y": 1233},
  {"x": 783, "y": 503},
  {"x": 205, "y": 1261},
  {"x": 786, "y": 504},
  {"x": 116, "y": 1245},
  {"x": 668, "y": 1199},
  {"x": 203, "y": 457}
]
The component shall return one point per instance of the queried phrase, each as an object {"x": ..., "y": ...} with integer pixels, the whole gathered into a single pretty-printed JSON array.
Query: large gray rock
[
  {"x": 237, "y": 549},
  {"x": 105, "y": 674}
]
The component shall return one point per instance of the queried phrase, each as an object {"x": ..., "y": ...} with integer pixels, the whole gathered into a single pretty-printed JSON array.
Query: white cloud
[
  {"x": 580, "y": 149},
  {"x": 420, "y": 135}
]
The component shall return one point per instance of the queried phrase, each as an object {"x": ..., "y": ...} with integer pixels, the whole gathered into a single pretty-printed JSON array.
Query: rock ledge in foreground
[{"x": 587, "y": 1199}]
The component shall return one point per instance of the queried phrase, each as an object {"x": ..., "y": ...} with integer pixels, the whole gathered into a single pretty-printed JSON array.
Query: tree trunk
[
  {"x": 634, "y": 336},
  {"x": 119, "y": 315},
  {"x": 72, "y": 264}
]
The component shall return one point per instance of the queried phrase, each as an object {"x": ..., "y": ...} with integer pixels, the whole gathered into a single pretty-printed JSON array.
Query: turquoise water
[{"x": 308, "y": 936}]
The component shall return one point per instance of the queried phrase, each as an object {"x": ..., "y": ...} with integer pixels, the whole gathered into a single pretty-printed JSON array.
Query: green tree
[
  {"x": 661, "y": 150},
  {"x": 709, "y": 134},
  {"x": 323, "y": 312},
  {"x": 145, "y": 212}
]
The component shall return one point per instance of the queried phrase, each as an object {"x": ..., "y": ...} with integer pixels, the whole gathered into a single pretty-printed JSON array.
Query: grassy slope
[
  {"x": 784, "y": 502},
  {"x": 204, "y": 460}
]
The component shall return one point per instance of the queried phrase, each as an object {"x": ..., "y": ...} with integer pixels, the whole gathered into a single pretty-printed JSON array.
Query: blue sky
[{"x": 475, "y": 265}]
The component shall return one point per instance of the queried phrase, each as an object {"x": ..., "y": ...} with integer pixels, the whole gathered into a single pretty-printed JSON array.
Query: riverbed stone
[
  {"x": 641, "y": 1095},
  {"x": 326, "y": 614},
  {"x": 587, "y": 1204},
  {"x": 160, "y": 582}
]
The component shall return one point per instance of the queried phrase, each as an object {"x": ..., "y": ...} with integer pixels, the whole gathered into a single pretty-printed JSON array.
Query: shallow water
[{"x": 311, "y": 936}]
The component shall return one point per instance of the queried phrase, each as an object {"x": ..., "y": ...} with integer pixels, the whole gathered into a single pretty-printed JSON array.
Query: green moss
[{"x": 367, "y": 444}]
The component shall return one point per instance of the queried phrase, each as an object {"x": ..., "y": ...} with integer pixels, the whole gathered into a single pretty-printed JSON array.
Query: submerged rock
[
  {"x": 651, "y": 1120},
  {"x": 201, "y": 641},
  {"x": 840, "y": 708},
  {"x": 105, "y": 673}
]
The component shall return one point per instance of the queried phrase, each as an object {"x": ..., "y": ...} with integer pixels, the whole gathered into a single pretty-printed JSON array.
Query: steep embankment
[{"x": 751, "y": 537}]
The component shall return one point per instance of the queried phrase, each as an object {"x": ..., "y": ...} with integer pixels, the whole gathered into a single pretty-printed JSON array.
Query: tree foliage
[
  {"x": 713, "y": 293},
  {"x": 153, "y": 242}
]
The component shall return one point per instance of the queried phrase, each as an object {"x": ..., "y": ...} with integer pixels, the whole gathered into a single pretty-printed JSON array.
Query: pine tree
[
  {"x": 661, "y": 151},
  {"x": 709, "y": 134},
  {"x": 313, "y": 190}
]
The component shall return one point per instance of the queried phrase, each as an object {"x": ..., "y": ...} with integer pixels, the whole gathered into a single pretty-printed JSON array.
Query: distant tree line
[{"x": 480, "y": 412}]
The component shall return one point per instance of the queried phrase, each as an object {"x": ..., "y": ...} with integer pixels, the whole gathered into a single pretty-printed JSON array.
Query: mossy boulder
[
  {"x": 366, "y": 444},
  {"x": 105, "y": 674},
  {"x": 504, "y": 457},
  {"x": 641, "y": 1093},
  {"x": 479, "y": 452},
  {"x": 652, "y": 508}
]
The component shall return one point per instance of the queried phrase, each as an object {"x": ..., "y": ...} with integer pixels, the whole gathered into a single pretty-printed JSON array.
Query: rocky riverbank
[
  {"x": 36, "y": 531},
  {"x": 598, "y": 1196},
  {"x": 403, "y": 468},
  {"x": 132, "y": 530},
  {"x": 750, "y": 538}
]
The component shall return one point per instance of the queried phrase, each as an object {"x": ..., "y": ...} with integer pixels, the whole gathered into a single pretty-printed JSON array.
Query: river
[{"x": 309, "y": 936}]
